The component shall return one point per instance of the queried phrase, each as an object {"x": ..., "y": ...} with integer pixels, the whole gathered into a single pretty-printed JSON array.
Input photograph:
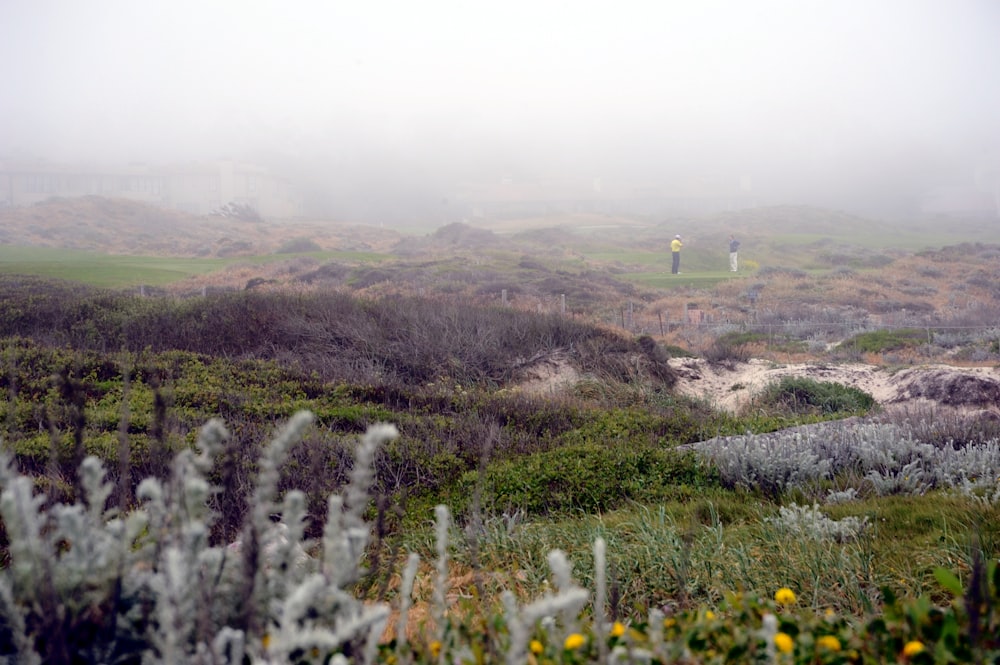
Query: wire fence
[{"x": 696, "y": 322}]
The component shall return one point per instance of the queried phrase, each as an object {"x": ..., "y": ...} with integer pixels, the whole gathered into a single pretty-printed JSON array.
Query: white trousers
[{"x": 732, "y": 262}]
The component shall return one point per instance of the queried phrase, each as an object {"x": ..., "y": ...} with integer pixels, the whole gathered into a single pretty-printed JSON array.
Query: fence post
[
  {"x": 562, "y": 303},
  {"x": 503, "y": 297}
]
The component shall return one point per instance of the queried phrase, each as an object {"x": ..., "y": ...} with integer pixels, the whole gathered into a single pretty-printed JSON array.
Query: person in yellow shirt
[{"x": 675, "y": 250}]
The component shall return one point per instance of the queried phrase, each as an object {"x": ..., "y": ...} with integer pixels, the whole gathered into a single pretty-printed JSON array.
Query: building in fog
[{"x": 198, "y": 188}]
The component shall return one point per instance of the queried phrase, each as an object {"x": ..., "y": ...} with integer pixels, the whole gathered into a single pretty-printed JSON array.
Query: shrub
[
  {"x": 730, "y": 348},
  {"x": 880, "y": 341},
  {"x": 772, "y": 465},
  {"x": 675, "y": 351},
  {"x": 407, "y": 341},
  {"x": 888, "y": 459},
  {"x": 810, "y": 522},
  {"x": 782, "y": 271},
  {"x": 804, "y": 396},
  {"x": 941, "y": 426},
  {"x": 88, "y": 584},
  {"x": 299, "y": 246},
  {"x": 589, "y": 478}
]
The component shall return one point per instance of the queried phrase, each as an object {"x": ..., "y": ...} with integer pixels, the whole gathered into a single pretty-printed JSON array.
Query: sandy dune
[{"x": 733, "y": 385}]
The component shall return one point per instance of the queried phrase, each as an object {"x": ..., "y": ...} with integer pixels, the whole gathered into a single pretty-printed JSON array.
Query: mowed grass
[
  {"x": 665, "y": 280},
  {"x": 700, "y": 268},
  {"x": 122, "y": 271}
]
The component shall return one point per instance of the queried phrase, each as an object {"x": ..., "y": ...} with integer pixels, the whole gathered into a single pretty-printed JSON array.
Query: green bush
[
  {"x": 737, "y": 338},
  {"x": 880, "y": 341},
  {"x": 587, "y": 478},
  {"x": 801, "y": 395}
]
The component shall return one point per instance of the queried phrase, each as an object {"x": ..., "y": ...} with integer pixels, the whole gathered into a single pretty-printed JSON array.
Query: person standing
[
  {"x": 675, "y": 250},
  {"x": 734, "y": 247}
]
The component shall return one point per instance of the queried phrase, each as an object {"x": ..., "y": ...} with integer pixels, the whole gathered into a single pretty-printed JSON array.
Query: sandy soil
[{"x": 731, "y": 386}]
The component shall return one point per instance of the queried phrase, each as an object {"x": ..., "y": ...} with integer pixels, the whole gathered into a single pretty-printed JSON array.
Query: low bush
[
  {"x": 941, "y": 426},
  {"x": 675, "y": 351},
  {"x": 880, "y": 341},
  {"x": 803, "y": 395},
  {"x": 588, "y": 478},
  {"x": 727, "y": 350},
  {"x": 299, "y": 246},
  {"x": 782, "y": 271},
  {"x": 879, "y": 458}
]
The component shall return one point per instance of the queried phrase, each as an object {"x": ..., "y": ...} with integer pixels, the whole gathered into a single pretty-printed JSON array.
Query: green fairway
[
  {"x": 121, "y": 271},
  {"x": 664, "y": 280}
]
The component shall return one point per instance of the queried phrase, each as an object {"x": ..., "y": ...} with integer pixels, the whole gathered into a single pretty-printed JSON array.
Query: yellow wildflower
[
  {"x": 784, "y": 596},
  {"x": 912, "y": 648},
  {"x": 265, "y": 641},
  {"x": 574, "y": 641},
  {"x": 784, "y": 642},
  {"x": 829, "y": 642},
  {"x": 617, "y": 629},
  {"x": 435, "y": 648},
  {"x": 536, "y": 647},
  {"x": 709, "y": 615},
  {"x": 669, "y": 622}
]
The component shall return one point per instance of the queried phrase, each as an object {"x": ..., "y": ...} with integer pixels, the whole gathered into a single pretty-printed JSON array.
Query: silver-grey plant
[
  {"x": 878, "y": 458},
  {"x": 150, "y": 585},
  {"x": 811, "y": 522}
]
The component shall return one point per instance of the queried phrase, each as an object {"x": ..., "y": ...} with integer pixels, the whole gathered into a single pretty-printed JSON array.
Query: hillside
[
  {"x": 119, "y": 226},
  {"x": 809, "y": 277},
  {"x": 537, "y": 431}
]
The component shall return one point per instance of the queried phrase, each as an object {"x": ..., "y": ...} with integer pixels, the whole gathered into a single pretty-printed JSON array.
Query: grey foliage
[
  {"x": 154, "y": 588},
  {"x": 876, "y": 457},
  {"x": 772, "y": 464},
  {"x": 810, "y": 522},
  {"x": 167, "y": 594}
]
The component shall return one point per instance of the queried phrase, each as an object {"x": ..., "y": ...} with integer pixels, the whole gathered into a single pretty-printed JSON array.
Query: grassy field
[
  {"x": 119, "y": 271},
  {"x": 664, "y": 280}
]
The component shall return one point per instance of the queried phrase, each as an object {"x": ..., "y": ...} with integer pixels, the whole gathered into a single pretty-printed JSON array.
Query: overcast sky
[{"x": 850, "y": 102}]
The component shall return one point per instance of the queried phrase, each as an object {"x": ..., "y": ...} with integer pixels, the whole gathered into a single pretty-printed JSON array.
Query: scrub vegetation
[
  {"x": 580, "y": 524},
  {"x": 469, "y": 447}
]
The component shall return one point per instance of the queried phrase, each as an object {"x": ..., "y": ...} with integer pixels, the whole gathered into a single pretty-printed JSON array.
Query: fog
[{"x": 380, "y": 110}]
